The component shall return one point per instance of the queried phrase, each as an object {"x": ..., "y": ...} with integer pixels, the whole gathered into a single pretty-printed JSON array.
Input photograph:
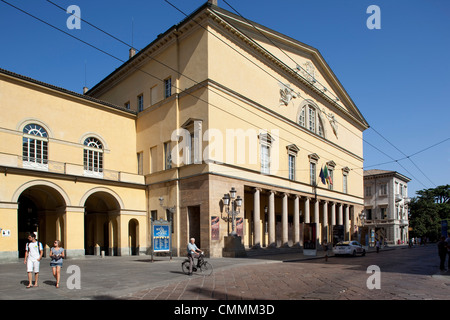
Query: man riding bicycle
[{"x": 193, "y": 252}]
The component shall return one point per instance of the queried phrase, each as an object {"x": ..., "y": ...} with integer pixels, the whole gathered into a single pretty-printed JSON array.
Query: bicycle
[{"x": 203, "y": 266}]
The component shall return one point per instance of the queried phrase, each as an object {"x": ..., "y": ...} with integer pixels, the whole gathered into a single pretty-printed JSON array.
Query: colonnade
[{"x": 340, "y": 210}]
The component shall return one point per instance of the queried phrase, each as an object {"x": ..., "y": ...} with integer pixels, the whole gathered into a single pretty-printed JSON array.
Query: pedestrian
[
  {"x": 325, "y": 249},
  {"x": 377, "y": 245},
  {"x": 57, "y": 255},
  {"x": 193, "y": 252},
  {"x": 442, "y": 252},
  {"x": 33, "y": 256}
]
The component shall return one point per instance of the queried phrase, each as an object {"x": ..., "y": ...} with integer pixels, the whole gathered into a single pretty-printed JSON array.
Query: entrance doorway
[
  {"x": 40, "y": 210},
  {"x": 133, "y": 237},
  {"x": 28, "y": 221},
  {"x": 100, "y": 224},
  {"x": 194, "y": 224}
]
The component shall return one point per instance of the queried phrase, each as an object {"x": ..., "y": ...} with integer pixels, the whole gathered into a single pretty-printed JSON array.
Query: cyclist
[{"x": 193, "y": 252}]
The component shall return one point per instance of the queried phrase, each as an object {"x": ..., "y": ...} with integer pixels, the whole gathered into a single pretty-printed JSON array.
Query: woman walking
[{"x": 57, "y": 255}]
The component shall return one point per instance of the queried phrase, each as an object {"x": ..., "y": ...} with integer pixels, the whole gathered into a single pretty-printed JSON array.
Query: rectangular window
[
  {"x": 312, "y": 173},
  {"x": 291, "y": 167},
  {"x": 301, "y": 119},
  {"x": 368, "y": 191},
  {"x": 368, "y": 214},
  {"x": 265, "y": 159},
  {"x": 167, "y": 156},
  {"x": 383, "y": 189},
  {"x": 167, "y": 87},
  {"x": 345, "y": 184},
  {"x": 383, "y": 213},
  {"x": 140, "y": 101},
  {"x": 330, "y": 173},
  {"x": 312, "y": 119},
  {"x": 127, "y": 105}
]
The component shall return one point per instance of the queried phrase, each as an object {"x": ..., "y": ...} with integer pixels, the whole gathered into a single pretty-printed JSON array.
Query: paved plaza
[{"x": 277, "y": 274}]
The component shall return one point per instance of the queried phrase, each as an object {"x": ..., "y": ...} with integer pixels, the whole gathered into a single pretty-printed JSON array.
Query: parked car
[{"x": 349, "y": 248}]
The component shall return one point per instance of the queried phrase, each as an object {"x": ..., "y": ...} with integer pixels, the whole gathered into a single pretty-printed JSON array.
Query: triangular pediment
[{"x": 301, "y": 68}]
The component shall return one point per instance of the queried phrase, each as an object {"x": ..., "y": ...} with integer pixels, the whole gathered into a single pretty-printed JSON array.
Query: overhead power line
[
  {"x": 298, "y": 65},
  {"x": 157, "y": 78},
  {"x": 107, "y": 33}
]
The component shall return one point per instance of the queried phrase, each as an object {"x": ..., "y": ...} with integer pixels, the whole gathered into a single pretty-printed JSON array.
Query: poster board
[{"x": 161, "y": 237}]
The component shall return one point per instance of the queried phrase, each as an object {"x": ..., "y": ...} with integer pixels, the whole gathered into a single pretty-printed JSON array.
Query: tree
[{"x": 428, "y": 210}]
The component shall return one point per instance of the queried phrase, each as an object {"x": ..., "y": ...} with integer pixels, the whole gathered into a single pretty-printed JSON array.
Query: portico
[{"x": 276, "y": 218}]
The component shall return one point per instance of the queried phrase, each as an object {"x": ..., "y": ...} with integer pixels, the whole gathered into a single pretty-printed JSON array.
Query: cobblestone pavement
[
  {"x": 278, "y": 274},
  {"x": 405, "y": 274}
]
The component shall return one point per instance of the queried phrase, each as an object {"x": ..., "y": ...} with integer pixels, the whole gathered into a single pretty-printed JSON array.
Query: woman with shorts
[{"x": 57, "y": 256}]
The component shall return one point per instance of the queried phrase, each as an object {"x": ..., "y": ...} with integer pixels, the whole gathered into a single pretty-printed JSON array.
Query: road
[{"x": 402, "y": 274}]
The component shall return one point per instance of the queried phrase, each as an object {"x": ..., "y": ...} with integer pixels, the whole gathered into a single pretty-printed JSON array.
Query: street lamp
[{"x": 232, "y": 207}]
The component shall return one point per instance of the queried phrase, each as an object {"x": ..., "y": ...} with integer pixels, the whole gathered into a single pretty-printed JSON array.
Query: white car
[{"x": 349, "y": 248}]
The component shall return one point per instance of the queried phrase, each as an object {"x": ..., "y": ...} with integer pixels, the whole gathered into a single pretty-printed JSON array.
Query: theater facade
[{"x": 214, "y": 104}]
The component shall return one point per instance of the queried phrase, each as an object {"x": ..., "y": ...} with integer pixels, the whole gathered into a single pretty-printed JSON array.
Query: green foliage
[{"x": 427, "y": 210}]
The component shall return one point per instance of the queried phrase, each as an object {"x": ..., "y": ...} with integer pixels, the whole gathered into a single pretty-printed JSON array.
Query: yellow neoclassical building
[{"x": 216, "y": 103}]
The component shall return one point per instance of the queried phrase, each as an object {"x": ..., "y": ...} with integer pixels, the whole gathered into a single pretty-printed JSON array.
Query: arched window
[
  {"x": 309, "y": 118},
  {"x": 93, "y": 157},
  {"x": 35, "y": 146}
]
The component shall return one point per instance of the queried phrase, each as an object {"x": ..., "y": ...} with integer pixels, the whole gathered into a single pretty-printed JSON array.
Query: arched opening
[
  {"x": 41, "y": 210},
  {"x": 101, "y": 232},
  {"x": 133, "y": 237}
]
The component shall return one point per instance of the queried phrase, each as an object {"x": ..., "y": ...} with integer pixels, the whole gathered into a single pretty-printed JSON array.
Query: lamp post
[{"x": 232, "y": 207}]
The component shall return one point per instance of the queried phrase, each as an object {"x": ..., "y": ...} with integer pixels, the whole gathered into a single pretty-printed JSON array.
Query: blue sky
[{"x": 398, "y": 76}]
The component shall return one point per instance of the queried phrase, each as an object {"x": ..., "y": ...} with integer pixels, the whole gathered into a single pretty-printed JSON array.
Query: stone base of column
[{"x": 233, "y": 247}]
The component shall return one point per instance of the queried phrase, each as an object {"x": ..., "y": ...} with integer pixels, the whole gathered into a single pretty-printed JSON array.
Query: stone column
[
  {"x": 256, "y": 219},
  {"x": 346, "y": 221},
  {"x": 296, "y": 220},
  {"x": 316, "y": 213},
  {"x": 340, "y": 218},
  {"x": 317, "y": 221},
  {"x": 333, "y": 219},
  {"x": 333, "y": 213},
  {"x": 307, "y": 215},
  {"x": 284, "y": 221},
  {"x": 272, "y": 218},
  {"x": 325, "y": 221},
  {"x": 74, "y": 231}
]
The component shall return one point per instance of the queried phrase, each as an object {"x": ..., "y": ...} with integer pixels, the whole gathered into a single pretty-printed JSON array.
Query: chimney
[
  {"x": 85, "y": 89},
  {"x": 132, "y": 52},
  {"x": 214, "y": 2}
]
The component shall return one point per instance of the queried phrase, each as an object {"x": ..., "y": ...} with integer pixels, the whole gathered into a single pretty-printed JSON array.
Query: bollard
[{"x": 103, "y": 253}]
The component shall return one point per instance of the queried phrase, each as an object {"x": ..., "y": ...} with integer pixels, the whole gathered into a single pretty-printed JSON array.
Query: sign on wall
[{"x": 161, "y": 237}]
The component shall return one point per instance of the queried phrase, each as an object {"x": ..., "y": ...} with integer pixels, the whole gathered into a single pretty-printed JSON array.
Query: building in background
[
  {"x": 216, "y": 103},
  {"x": 386, "y": 205}
]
